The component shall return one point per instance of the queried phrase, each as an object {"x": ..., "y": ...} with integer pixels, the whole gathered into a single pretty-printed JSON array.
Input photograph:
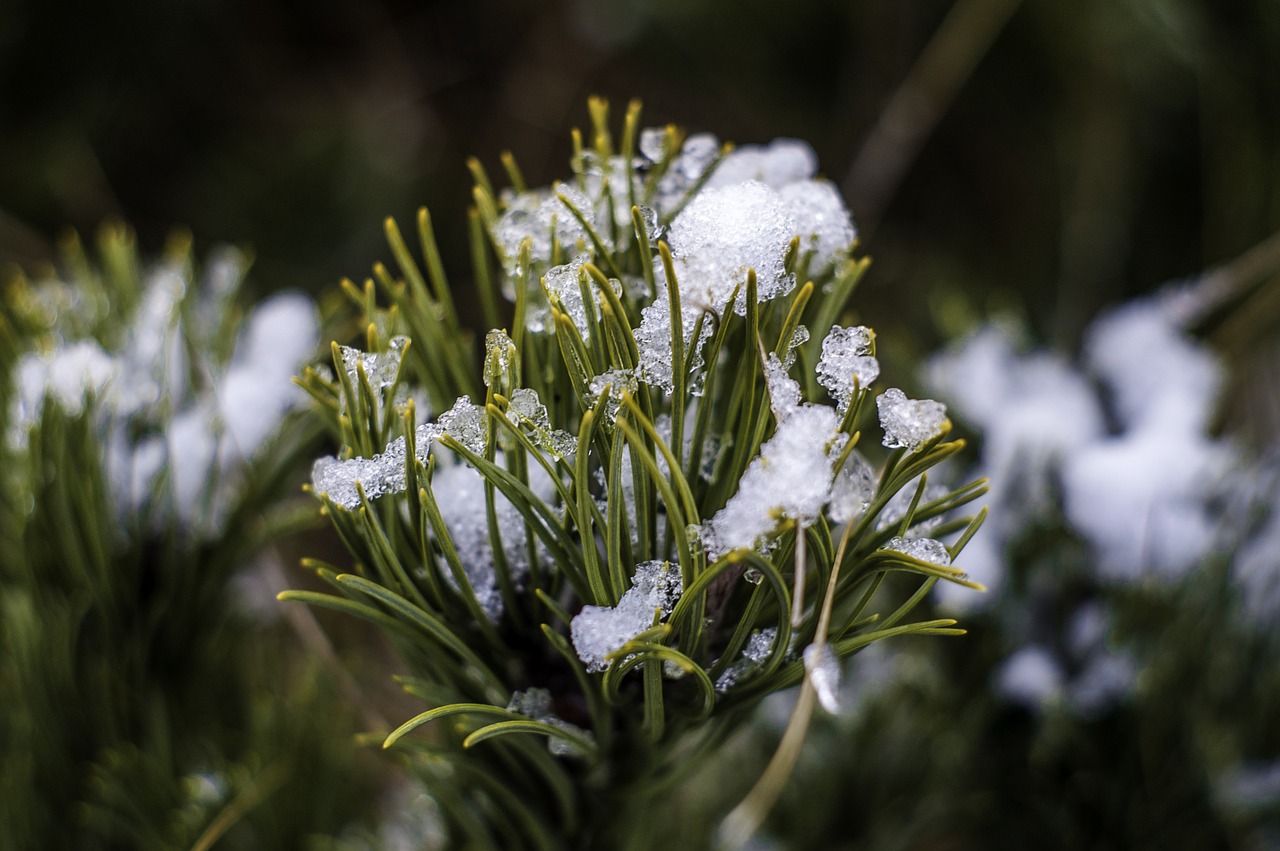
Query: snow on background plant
[{"x": 149, "y": 430}]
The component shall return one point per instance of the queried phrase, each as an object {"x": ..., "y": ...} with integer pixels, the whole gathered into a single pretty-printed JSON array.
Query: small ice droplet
[
  {"x": 824, "y": 674},
  {"x": 909, "y": 423},
  {"x": 498, "y": 354},
  {"x": 853, "y": 489},
  {"x": 799, "y": 336},
  {"x": 649, "y": 217},
  {"x": 564, "y": 282},
  {"x": 653, "y": 143}
]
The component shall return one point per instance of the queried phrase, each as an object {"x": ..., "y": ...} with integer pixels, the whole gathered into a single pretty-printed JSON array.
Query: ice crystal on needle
[
  {"x": 380, "y": 368},
  {"x": 853, "y": 489},
  {"x": 924, "y": 549},
  {"x": 847, "y": 363},
  {"x": 563, "y": 282},
  {"x": 615, "y": 382},
  {"x": 499, "y": 352},
  {"x": 909, "y": 423},
  {"x": 536, "y": 703}
]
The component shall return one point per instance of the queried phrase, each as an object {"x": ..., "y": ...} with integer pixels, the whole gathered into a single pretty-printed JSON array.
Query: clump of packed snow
[
  {"x": 599, "y": 631},
  {"x": 536, "y": 217},
  {"x": 823, "y": 222},
  {"x": 724, "y": 232},
  {"x": 780, "y": 163},
  {"x": 684, "y": 170},
  {"x": 909, "y": 423},
  {"x": 720, "y": 236}
]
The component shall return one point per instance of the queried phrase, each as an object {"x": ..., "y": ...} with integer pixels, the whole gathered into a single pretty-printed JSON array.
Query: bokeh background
[{"x": 1069, "y": 154}]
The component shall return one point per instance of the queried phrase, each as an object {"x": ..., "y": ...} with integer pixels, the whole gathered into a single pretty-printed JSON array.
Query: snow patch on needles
[
  {"x": 599, "y": 631},
  {"x": 460, "y": 495},
  {"x": 789, "y": 480},
  {"x": 384, "y": 473}
]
